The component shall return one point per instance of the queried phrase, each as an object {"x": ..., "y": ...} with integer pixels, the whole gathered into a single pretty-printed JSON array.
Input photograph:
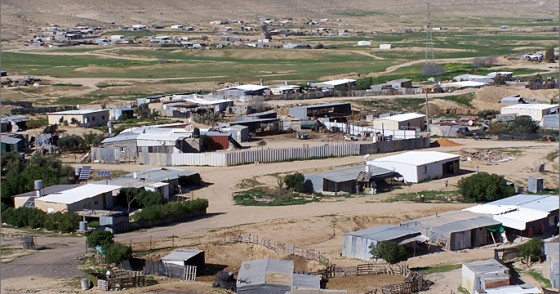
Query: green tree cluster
[
  {"x": 19, "y": 174},
  {"x": 484, "y": 187},
  {"x": 138, "y": 198},
  {"x": 388, "y": 251},
  {"x": 295, "y": 182},
  {"x": 114, "y": 252},
  {"x": 29, "y": 217}
]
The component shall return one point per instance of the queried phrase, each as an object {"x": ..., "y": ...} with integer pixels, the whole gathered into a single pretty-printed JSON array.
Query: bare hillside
[{"x": 19, "y": 15}]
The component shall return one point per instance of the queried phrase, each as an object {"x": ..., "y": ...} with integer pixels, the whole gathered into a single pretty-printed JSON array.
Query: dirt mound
[
  {"x": 489, "y": 97},
  {"x": 443, "y": 142}
]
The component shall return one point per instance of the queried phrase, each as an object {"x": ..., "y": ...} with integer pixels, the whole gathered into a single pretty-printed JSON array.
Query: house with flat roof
[
  {"x": 419, "y": 166},
  {"x": 512, "y": 100},
  {"x": 83, "y": 117},
  {"x": 339, "y": 85},
  {"x": 406, "y": 121},
  {"x": 350, "y": 179},
  {"x": 535, "y": 111},
  {"x": 89, "y": 196},
  {"x": 357, "y": 244},
  {"x": 28, "y": 198}
]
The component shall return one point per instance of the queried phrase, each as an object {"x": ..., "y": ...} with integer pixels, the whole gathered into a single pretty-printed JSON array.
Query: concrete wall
[
  {"x": 468, "y": 279},
  {"x": 535, "y": 114},
  {"x": 392, "y": 125},
  {"x": 49, "y": 206}
]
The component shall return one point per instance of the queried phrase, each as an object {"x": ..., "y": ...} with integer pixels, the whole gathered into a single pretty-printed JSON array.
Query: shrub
[
  {"x": 24, "y": 217},
  {"x": 36, "y": 123},
  {"x": 484, "y": 187},
  {"x": 171, "y": 212},
  {"x": 64, "y": 222},
  {"x": 116, "y": 252},
  {"x": 432, "y": 69},
  {"x": 72, "y": 143},
  {"x": 531, "y": 250},
  {"x": 149, "y": 198},
  {"x": 388, "y": 251},
  {"x": 524, "y": 124},
  {"x": 103, "y": 238},
  {"x": 295, "y": 182}
]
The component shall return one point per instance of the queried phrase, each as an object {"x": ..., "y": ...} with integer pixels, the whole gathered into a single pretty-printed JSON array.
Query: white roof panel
[
  {"x": 79, "y": 193},
  {"x": 416, "y": 158},
  {"x": 518, "y": 219},
  {"x": 403, "y": 117},
  {"x": 491, "y": 209},
  {"x": 531, "y": 106},
  {"x": 464, "y": 84},
  {"x": 250, "y": 87},
  {"x": 338, "y": 82}
]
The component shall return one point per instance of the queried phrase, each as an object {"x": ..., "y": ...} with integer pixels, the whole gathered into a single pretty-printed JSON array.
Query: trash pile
[{"x": 492, "y": 156}]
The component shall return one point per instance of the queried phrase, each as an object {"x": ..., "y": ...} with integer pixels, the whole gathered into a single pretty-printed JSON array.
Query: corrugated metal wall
[{"x": 272, "y": 155}]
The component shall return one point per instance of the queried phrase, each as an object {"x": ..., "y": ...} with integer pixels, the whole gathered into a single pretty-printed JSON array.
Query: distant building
[
  {"x": 535, "y": 111},
  {"x": 185, "y": 257},
  {"x": 13, "y": 123},
  {"x": 84, "y": 117},
  {"x": 419, "y": 166},
  {"x": 339, "y": 85},
  {"x": 407, "y": 121},
  {"x": 480, "y": 275},
  {"x": 385, "y": 46},
  {"x": 364, "y": 43},
  {"x": 331, "y": 111},
  {"x": 121, "y": 112},
  {"x": 400, "y": 83},
  {"x": 352, "y": 179},
  {"x": 513, "y": 99}
]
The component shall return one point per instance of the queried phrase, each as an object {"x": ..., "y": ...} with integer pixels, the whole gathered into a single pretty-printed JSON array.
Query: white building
[
  {"x": 90, "y": 196},
  {"x": 418, "y": 166},
  {"x": 535, "y": 111},
  {"x": 385, "y": 46},
  {"x": 86, "y": 117},
  {"x": 407, "y": 121},
  {"x": 364, "y": 43}
]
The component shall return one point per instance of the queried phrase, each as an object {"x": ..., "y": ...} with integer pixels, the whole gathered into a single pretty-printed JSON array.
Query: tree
[
  {"x": 500, "y": 80},
  {"x": 100, "y": 238},
  {"x": 116, "y": 252},
  {"x": 432, "y": 69},
  {"x": 531, "y": 250},
  {"x": 484, "y": 61},
  {"x": 149, "y": 198},
  {"x": 388, "y": 251},
  {"x": 524, "y": 124},
  {"x": 261, "y": 143},
  {"x": 295, "y": 182},
  {"x": 71, "y": 143},
  {"x": 484, "y": 187},
  {"x": 549, "y": 55}
]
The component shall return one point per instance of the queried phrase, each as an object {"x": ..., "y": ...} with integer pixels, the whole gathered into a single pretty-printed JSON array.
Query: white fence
[
  {"x": 358, "y": 130},
  {"x": 276, "y": 155}
]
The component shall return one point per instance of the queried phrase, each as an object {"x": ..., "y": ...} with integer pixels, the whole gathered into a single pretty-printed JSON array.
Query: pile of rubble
[{"x": 492, "y": 156}]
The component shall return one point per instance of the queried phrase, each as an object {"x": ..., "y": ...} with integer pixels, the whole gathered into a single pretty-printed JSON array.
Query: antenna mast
[{"x": 429, "y": 39}]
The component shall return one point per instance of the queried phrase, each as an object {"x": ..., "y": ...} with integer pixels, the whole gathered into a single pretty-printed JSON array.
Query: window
[
  {"x": 102, "y": 117},
  {"x": 93, "y": 118},
  {"x": 96, "y": 202},
  {"x": 425, "y": 169},
  {"x": 122, "y": 149}
]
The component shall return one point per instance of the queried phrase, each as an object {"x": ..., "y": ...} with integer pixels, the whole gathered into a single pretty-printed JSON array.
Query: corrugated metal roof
[
  {"x": 321, "y": 106},
  {"x": 491, "y": 209},
  {"x": 538, "y": 202},
  {"x": 149, "y": 176},
  {"x": 338, "y": 82},
  {"x": 465, "y": 225},
  {"x": 518, "y": 219},
  {"x": 485, "y": 266},
  {"x": 9, "y": 140},
  {"x": 182, "y": 254},
  {"x": 79, "y": 193},
  {"x": 265, "y": 271},
  {"x": 121, "y": 138},
  {"x": 49, "y": 190},
  {"x": 14, "y": 118},
  {"x": 417, "y": 158},
  {"x": 385, "y": 233},
  {"x": 444, "y": 218}
]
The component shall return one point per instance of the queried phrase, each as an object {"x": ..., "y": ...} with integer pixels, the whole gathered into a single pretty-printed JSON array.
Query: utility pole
[
  {"x": 427, "y": 116},
  {"x": 429, "y": 39}
]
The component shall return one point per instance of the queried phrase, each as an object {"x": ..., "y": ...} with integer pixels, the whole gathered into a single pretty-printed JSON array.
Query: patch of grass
[
  {"x": 73, "y": 100},
  {"x": 429, "y": 196},
  {"x": 397, "y": 104},
  {"x": 539, "y": 277},
  {"x": 437, "y": 269},
  {"x": 552, "y": 156},
  {"x": 261, "y": 196},
  {"x": 462, "y": 290},
  {"x": 66, "y": 85},
  {"x": 463, "y": 99}
]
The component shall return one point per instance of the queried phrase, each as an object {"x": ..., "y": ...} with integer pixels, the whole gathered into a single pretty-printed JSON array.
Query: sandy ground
[{"x": 324, "y": 223}]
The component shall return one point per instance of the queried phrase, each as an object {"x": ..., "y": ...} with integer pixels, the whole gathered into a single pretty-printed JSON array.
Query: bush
[
  {"x": 72, "y": 143},
  {"x": 149, "y": 198},
  {"x": 171, "y": 212},
  {"x": 524, "y": 124},
  {"x": 484, "y": 61},
  {"x": 103, "y": 238},
  {"x": 295, "y": 182},
  {"x": 116, "y": 252},
  {"x": 24, "y": 217},
  {"x": 36, "y": 123},
  {"x": 484, "y": 187},
  {"x": 388, "y": 251},
  {"x": 66, "y": 222},
  {"x": 531, "y": 250}
]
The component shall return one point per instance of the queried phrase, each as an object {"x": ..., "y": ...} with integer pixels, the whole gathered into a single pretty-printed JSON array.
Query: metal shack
[
  {"x": 477, "y": 276},
  {"x": 458, "y": 230},
  {"x": 272, "y": 276},
  {"x": 357, "y": 244}
]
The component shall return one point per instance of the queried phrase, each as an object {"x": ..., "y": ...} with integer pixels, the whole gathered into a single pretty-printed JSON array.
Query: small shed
[
  {"x": 400, "y": 83},
  {"x": 418, "y": 166},
  {"x": 13, "y": 123},
  {"x": 535, "y": 111},
  {"x": 272, "y": 276},
  {"x": 357, "y": 244},
  {"x": 480, "y": 275},
  {"x": 121, "y": 112},
  {"x": 346, "y": 179},
  {"x": 384, "y": 46},
  {"x": 364, "y": 43},
  {"x": 184, "y": 257},
  {"x": 513, "y": 99},
  {"x": 11, "y": 144},
  {"x": 339, "y": 85},
  {"x": 332, "y": 110}
]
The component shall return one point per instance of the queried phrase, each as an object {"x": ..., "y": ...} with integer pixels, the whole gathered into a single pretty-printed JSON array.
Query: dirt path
[{"x": 367, "y": 54}]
